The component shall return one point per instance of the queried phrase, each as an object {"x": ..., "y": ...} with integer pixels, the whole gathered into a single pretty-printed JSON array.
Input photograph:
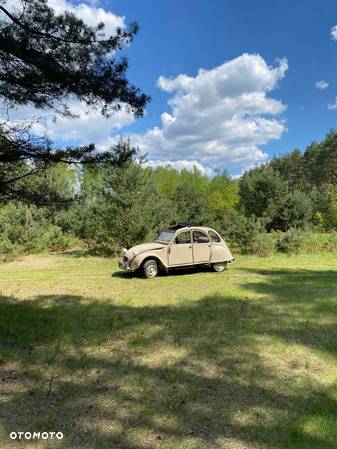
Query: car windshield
[{"x": 165, "y": 236}]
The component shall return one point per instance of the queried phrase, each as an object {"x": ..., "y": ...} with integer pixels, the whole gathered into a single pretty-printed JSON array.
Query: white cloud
[
  {"x": 333, "y": 106},
  {"x": 333, "y": 33},
  {"x": 89, "y": 125},
  {"x": 220, "y": 117},
  {"x": 322, "y": 85},
  {"x": 88, "y": 11},
  {"x": 90, "y": 14}
]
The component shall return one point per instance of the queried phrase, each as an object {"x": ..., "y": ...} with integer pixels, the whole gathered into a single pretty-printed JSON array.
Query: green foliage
[
  {"x": 70, "y": 58},
  {"x": 26, "y": 229},
  {"x": 261, "y": 192},
  {"x": 314, "y": 242},
  {"x": 241, "y": 231},
  {"x": 123, "y": 203},
  {"x": 290, "y": 242},
  {"x": 8, "y": 250},
  {"x": 194, "y": 197},
  {"x": 45, "y": 60},
  {"x": 330, "y": 213},
  {"x": 291, "y": 168},
  {"x": 295, "y": 190},
  {"x": 295, "y": 210},
  {"x": 124, "y": 207},
  {"x": 223, "y": 196},
  {"x": 264, "y": 244},
  {"x": 191, "y": 204}
]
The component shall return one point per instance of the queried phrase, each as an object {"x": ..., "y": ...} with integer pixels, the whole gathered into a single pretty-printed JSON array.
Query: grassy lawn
[{"x": 242, "y": 359}]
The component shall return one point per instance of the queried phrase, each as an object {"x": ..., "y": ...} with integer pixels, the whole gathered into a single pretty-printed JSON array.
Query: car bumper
[{"x": 124, "y": 266}]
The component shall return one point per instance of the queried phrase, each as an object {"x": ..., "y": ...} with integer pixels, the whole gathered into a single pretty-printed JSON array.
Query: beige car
[{"x": 178, "y": 246}]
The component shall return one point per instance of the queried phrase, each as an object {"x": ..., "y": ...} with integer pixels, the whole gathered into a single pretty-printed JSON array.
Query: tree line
[{"x": 111, "y": 205}]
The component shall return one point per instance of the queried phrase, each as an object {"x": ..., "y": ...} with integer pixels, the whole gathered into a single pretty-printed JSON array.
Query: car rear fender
[{"x": 220, "y": 253}]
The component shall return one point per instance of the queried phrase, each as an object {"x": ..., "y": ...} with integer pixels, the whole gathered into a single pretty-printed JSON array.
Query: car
[{"x": 177, "y": 246}]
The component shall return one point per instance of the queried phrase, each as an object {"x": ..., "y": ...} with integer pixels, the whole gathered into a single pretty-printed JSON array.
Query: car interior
[{"x": 200, "y": 237}]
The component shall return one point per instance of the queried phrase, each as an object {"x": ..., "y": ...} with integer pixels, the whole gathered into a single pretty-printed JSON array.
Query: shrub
[
  {"x": 8, "y": 250},
  {"x": 27, "y": 230},
  {"x": 315, "y": 242},
  {"x": 55, "y": 240},
  {"x": 242, "y": 231},
  {"x": 264, "y": 245},
  {"x": 290, "y": 242}
]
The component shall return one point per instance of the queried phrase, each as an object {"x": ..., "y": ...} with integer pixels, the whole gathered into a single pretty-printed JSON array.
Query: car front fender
[{"x": 159, "y": 255}]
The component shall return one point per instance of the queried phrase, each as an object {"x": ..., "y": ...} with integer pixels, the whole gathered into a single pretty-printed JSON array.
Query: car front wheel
[
  {"x": 219, "y": 267},
  {"x": 150, "y": 269}
]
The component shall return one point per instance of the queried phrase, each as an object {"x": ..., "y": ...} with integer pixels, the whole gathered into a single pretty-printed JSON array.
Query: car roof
[{"x": 197, "y": 228}]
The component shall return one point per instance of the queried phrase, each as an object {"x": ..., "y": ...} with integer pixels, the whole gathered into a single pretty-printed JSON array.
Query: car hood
[{"x": 138, "y": 249}]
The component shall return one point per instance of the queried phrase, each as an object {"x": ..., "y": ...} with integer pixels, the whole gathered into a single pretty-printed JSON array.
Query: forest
[{"x": 288, "y": 204}]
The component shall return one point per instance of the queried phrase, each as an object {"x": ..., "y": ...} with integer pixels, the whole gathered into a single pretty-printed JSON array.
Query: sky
[{"x": 232, "y": 82}]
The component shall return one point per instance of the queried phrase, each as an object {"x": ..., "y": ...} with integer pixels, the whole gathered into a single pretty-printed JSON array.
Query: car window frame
[
  {"x": 181, "y": 232},
  {"x": 201, "y": 243},
  {"x": 214, "y": 232}
]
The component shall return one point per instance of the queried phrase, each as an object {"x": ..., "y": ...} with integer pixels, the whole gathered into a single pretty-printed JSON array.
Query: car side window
[
  {"x": 214, "y": 236},
  {"x": 183, "y": 237},
  {"x": 200, "y": 237}
]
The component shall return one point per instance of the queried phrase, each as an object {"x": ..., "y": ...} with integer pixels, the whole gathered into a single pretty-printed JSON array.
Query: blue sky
[
  {"x": 181, "y": 37},
  {"x": 256, "y": 98}
]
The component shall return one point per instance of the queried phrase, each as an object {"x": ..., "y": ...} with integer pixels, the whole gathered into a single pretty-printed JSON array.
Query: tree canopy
[{"x": 46, "y": 60}]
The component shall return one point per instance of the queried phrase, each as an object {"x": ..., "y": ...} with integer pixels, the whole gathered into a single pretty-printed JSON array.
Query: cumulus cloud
[
  {"x": 89, "y": 125},
  {"x": 221, "y": 116},
  {"x": 322, "y": 85},
  {"x": 88, "y": 11},
  {"x": 90, "y": 14},
  {"x": 333, "y": 33},
  {"x": 333, "y": 106}
]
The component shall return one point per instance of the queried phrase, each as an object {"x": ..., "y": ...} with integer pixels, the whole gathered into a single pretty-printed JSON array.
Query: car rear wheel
[
  {"x": 150, "y": 269},
  {"x": 219, "y": 267}
]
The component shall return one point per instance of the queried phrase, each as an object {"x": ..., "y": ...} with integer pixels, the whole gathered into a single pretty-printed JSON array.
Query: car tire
[
  {"x": 219, "y": 267},
  {"x": 150, "y": 269}
]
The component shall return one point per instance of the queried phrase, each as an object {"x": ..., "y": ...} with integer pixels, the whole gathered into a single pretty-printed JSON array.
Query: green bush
[
  {"x": 55, "y": 240},
  {"x": 8, "y": 250},
  {"x": 264, "y": 245},
  {"x": 242, "y": 231},
  {"x": 27, "y": 230},
  {"x": 316, "y": 242},
  {"x": 290, "y": 242}
]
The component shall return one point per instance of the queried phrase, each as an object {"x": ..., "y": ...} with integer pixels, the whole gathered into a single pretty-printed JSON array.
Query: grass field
[{"x": 198, "y": 360}]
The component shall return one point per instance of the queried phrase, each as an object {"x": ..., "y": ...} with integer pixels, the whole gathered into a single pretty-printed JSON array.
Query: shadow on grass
[
  {"x": 123, "y": 274},
  {"x": 307, "y": 305},
  {"x": 173, "y": 272},
  {"x": 188, "y": 376}
]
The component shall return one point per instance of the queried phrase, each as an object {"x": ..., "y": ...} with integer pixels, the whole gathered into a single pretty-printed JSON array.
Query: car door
[
  {"x": 180, "y": 251},
  {"x": 201, "y": 247}
]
